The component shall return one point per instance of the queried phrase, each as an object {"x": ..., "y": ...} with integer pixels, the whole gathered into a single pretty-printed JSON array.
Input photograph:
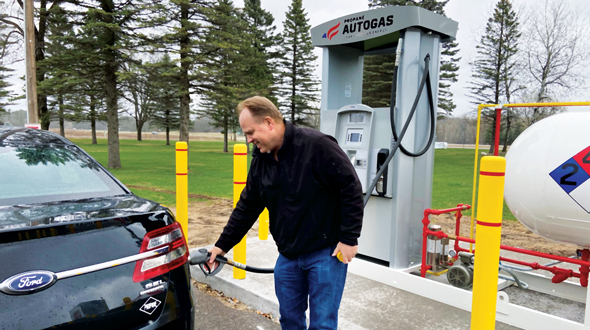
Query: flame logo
[{"x": 331, "y": 32}]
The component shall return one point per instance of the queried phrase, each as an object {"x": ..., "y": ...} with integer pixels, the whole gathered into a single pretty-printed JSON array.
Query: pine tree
[
  {"x": 5, "y": 94},
  {"x": 377, "y": 79},
  {"x": 112, "y": 28},
  {"x": 183, "y": 25},
  {"x": 60, "y": 78},
  {"x": 262, "y": 56},
  {"x": 495, "y": 68},
  {"x": 164, "y": 75},
  {"x": 299, "y": 89},
  {"x": 378, "y": 73},
  {"x": 223, "y": 73}
]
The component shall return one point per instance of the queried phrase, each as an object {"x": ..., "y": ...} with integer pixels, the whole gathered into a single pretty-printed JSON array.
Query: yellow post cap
[
  {"x": 240, "y": 149},
  {"x": 494, "y": 164},
  {"x": 181, "y": 145}
]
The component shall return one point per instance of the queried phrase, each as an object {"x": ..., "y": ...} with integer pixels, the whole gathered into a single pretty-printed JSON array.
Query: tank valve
[{"x": 437, "y": 250}]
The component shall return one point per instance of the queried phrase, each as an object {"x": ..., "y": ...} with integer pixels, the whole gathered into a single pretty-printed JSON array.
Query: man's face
[{"x": 258, "y": 131}]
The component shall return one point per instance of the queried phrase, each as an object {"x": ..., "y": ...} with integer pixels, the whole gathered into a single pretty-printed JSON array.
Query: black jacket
[{"x": 313, "y": 195}]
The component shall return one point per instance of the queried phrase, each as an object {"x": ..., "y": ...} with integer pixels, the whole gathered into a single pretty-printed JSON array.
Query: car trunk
[{"x": 104, "y": 299}]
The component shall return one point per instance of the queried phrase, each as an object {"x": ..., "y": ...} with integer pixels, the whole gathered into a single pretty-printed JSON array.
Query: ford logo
[{"x": 29, "y": 282}]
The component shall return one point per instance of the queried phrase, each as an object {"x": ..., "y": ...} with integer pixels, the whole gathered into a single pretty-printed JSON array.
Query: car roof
[{"x": 28, "y": 136}]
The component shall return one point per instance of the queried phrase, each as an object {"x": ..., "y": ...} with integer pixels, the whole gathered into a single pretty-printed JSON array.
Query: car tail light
[{"x": 170, "y": 236}]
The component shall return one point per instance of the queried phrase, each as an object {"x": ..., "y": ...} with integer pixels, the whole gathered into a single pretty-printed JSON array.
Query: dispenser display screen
[{"x": 354, "y": 136}]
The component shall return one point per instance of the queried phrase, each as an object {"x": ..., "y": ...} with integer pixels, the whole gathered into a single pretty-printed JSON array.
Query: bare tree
[
  {"x": 11, "y": 33},
  {"x": 556, "y": 50}
]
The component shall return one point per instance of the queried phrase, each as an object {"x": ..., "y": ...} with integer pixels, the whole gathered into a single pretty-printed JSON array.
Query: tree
[
  {"x": 111, "y": 30},
  {"x": 377, "y": 79},
  {"x": 10, "y": 39},
  {"x": 263, "y": 41},
  {"x": 140, "y": 92},
  {"x": 223, "y": 73},
  {"x": 299, "y": 88},
  {"x": 181, "y": 23},
  {"x": 495, "y": 68},
  {"x": 556, "y": 53},
  {"x": 379, "y": 68},
  {"x": 5, "y": 94},
  {"x": 59, "y": 76},
  {"x": 44, "y": 13},
  {"x": 167, "y": 91},
  {"x": 11, "y": 33}
]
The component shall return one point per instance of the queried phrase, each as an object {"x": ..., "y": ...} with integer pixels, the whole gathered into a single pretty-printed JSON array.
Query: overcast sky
[{"x": 471, "y": 15}]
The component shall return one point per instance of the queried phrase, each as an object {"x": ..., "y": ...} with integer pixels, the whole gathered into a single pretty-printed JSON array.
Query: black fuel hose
[
  {"x": 246, "y": 267},
  {"x": 397, "y": 142},
  {"x": 201, "y": 256},
  {"x": 392, "y": 105}
]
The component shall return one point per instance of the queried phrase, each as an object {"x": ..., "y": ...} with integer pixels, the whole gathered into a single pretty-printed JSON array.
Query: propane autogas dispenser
[{"x": 392, "y": 230}]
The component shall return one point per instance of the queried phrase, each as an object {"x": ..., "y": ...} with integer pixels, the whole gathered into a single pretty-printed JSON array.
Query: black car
[{"x": 78, "y": 250}]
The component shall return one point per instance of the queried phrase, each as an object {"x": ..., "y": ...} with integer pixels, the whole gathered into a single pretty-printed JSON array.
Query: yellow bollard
[
  {"x": 240, "y": 175},
  {"x": 489, "y": 228},
  {"x": 182, "y": 186},
  {"x": 263, "y": 225}
]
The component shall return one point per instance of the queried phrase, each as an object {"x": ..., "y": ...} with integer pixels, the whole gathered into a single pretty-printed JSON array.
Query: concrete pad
[{"x": 366, "y": 304}]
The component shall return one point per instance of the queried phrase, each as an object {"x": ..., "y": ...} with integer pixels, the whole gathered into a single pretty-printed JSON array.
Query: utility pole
[{"x": 31, "y": 67}]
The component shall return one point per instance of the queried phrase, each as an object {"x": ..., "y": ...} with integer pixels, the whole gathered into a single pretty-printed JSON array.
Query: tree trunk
[
  {"x": 184, "y": 80},
  {"x": 167, "y": 135},
  {"x": 112, "y": 115},
  {"x": 293, "y": 83},
  {"x": 139, "y": 126},
  {"x": 93, "y": 119},
  {"x": 93, "y": 125},
  {"x": 62, "y": 130},
  {"x": 505, "y": 146},
  {"x": 225, "y": 130},
  {"x": 110, "y": 78},
  {"x": 44, "y": 115}
]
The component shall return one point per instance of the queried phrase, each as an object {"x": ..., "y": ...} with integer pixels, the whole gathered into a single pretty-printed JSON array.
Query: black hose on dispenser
[
  {"x": 398, "y": 139},
  {"x": 392, "y": 105}
]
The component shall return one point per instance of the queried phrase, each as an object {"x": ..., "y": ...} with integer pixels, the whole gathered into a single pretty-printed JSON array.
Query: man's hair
[{"x": 260, "y": 107}]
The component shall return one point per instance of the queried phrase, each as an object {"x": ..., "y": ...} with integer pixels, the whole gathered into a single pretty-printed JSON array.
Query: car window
[{"x": 39, "y": 174}]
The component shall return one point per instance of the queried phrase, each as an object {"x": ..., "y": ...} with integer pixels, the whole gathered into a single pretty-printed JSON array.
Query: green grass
[
  {"x": 453, "y": 179},
  {"x": 148, "y": 169}
]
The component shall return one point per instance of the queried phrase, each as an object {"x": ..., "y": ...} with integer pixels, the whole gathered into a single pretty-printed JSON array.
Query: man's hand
[
  {"x": 348, "y": 252},
  {"x": 215, "y": 251}
]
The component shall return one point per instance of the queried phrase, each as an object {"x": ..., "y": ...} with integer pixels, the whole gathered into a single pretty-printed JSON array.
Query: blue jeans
[{"x": 317, "y": 275}]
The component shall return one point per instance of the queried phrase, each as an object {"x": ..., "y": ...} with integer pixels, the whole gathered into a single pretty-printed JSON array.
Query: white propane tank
[{"x": 547, "y": 184}]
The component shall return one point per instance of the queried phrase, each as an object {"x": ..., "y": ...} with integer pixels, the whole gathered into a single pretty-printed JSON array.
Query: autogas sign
[
  {"x": 379, "y": 22},
  {"x": 357, "y": 25}
]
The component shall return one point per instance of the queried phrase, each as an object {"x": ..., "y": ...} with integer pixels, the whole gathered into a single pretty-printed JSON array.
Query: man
[{"x": 315, "y": 203}]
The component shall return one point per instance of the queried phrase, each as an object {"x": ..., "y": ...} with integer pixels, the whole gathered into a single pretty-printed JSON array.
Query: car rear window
[{"x": 40, "y": 174}]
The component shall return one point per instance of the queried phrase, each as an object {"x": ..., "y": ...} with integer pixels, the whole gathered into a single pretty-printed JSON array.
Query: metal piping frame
[
  {"x": 561, "y": 274},
  {"x": 517, "y": 315}
]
